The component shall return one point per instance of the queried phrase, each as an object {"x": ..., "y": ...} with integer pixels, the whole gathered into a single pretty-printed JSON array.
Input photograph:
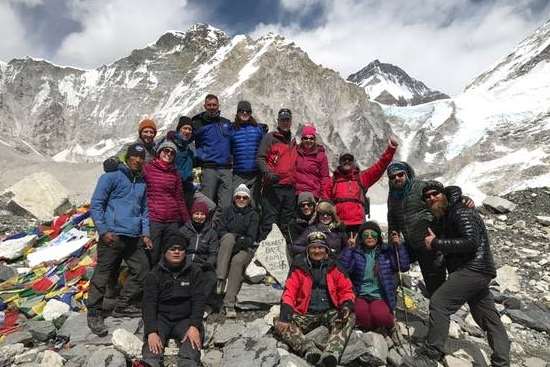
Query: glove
[
  {"x": 273, "y": 178},
  {"x": 240, "y": 244},
  {"x": 110, "y": 164}
]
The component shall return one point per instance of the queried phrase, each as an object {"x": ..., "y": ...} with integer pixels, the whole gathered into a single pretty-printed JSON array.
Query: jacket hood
[
  {"x": 408, "y": 169},
  {"x": 122, "y": 167},
  {"x": 453, "y": 194}
]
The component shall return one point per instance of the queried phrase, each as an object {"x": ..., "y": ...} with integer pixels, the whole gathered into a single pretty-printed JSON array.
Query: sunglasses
[
  {"x": 308, "y": 138},
  {"x": 239, "y": 197},
  {"x": 371, "y": 234},
  {"x": 168, "y": 151},
  {"x": 176, "y": 248},
  {"x": 317, "y": 236},
  {"x": 244, "y": 111},
  {"x": 431, "y": 194},
  {"x": 395, "y": 175},
  {"x": 325, "y": 214},
  {"x": 308, "y": 205}
]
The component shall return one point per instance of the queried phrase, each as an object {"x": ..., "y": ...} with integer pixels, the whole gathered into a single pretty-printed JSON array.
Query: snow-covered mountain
[
  {"x": 72, "y": 114},
  {"x": 494, "y": 136},
  {"x": 391, "y": 85}
]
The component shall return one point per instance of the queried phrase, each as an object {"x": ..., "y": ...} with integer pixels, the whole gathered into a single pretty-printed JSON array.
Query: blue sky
[{"x": 444, "y": 43}]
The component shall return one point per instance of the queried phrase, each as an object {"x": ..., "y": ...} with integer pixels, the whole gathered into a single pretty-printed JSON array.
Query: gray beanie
[
  {"x": 166, "y": 144},
  {"x": 242, "y": 189},
  {"x": 306, "y": 197}
]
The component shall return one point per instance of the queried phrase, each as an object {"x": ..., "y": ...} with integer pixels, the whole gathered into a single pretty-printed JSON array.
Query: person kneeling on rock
[
  {"x": 317, "y": 292},
  {"x": 173, "y": 305}
]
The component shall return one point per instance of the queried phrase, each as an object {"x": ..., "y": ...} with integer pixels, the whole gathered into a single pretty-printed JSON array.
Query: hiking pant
[
  {"x": 373, "y": 314},
  {"x": 468, "y": 286},
  {"x": 159, "y": 233},
  {"x": 302, "y": 324},
  {"x": 216, "y": 185},
  {"x": 278, "y": 206},
  {"x": 252, "y": 182},
  {"x": 231, "y": 266},
  {"x": 109, "y": 257},
  {"x": 187, "y": 356}
]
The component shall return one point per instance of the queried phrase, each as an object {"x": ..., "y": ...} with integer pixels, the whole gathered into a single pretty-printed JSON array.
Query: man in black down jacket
[
  {"x": 464, "y": 242},
  {"x": 173, "y": 305}
]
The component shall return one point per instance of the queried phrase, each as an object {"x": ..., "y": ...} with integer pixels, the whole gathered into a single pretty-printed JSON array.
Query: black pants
[
  {"x": 109, "y": 258},
  {"x": 432, "y": 266},
  {"x": 278, "y": 206},
  {"x": 187, "y": 356},
  {"x": 159, "y": 234},
  {"x": 468, "y": 286}
]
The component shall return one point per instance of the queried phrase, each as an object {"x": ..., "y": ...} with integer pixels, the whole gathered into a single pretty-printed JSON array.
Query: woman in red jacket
[
  {"x": 312, "y": 173},
  {"x": 167, "y": 209},
  {"x": 349, "y": 185}
]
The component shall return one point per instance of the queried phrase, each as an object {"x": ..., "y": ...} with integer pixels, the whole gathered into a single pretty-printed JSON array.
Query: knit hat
[
  {"x": 284, "y": 113},
  {"x": 147, "y": 123},
  {"x": 317, "y": 238},
  {"x": 432, "y": 185},
  {"x": 326, "y": 207},
  {"x": 199, "y": 206},
  {"x": 184, "y": 120},
  {"x": 306, "y": 197},
  {"x": 372, "y": 225},
  {"x": 136, "y": 150},
  {"x": 242, "y": 189},
  {"x": 346, "y": 155},
  {"x": 175, "y": 239},
  {"x": 167, "y": 144},
  {"x": 309, "y": 130},
  {"x": 244, "y": 106},
  {"x": 397, "y": 166}
]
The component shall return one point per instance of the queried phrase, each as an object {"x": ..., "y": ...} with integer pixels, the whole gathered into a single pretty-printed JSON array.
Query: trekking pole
[{"x": 403, "y": 297}]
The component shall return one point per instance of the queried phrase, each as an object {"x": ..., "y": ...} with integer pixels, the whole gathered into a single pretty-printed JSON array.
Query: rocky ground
[{"x": 520, "y": 242}]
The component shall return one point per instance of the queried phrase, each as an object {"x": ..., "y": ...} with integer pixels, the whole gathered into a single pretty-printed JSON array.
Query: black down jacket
[{"x": 463, "y": 239}]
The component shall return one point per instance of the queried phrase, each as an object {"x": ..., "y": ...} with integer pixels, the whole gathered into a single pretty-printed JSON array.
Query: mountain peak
[
  {"x": 200, "y": 34},
  {"x": 389, "y": 84}
]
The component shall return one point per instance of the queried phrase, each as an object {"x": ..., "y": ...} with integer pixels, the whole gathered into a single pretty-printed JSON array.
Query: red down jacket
[
  {"x": 164, "y": 193},
  {"x": 348, "y": 189},
  {"x": 312, "y": 173},
  {"x": 277, "y": 155}
]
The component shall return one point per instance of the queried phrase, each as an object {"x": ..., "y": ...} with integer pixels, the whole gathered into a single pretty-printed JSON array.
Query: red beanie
[
  {"x": 147, "y": 123},
  {"x": 199, "y": 206},
  {"x": 309, "y": 130}
]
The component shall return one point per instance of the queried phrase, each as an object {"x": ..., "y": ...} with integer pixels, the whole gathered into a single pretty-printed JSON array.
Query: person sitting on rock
[
  {"x": 463, "y": 240},
  {"x": 237, "y": 232},
  {"x": 173, "y": 305},
  {"x": 371, "y": 265},
  {"x": 326, "y": 220},
  {"x": 305, "y": 215},
  {"x": 121, "y": 216},
  {"x": 317, "y": 292}
]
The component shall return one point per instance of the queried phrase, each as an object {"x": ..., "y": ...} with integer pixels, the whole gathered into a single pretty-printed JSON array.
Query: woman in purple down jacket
[{"x": 371, "y": 265}]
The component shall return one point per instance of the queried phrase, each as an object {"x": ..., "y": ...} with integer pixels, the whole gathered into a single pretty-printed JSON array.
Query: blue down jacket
[
  {"x": 119, "y": 204},
  {"x": 244, "y": 147},
  {"x": 212, "y": 140}
]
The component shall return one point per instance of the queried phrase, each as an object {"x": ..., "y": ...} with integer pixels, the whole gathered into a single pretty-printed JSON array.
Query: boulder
[
  {"x": 354, "y": 349},
  {"x": 451, "y": 361},
  {"x": 271, "y": 254},
  {"x": 319, "y": 336},
  {"x": 55, "y": 309},
  {"x": 545, "y": 221},
  {"x": 256, "y": 329},
  {"x": 258, "y": 295},
  {"x": 212, "y": 358},
  {"x": 292, "y": 360},
  {"x": 79, "y": 354},
  {"x": 127, "y": 343},
  {"x": 535, "y": 362},
  {"x": 377, "y": 349},
  {"x": 532, "y": 316},
  {"x": 106, "y": 357},
  {"x": 39, "y": 195},
  {"x": 499, "y": 205},
  {"x": 454, "y": 330},
  {"x": 76, "y": 329},
  {"x": 52, "y": 359},
  {"x": 19, "y": 337},
  {"x": 30, "y": 356},
  {"x": 471, "y": 327},
  {"x": 274, "y": 311},
  {"x": 254, "y": 273},
  {"x": 246, "y": 352},
  {"x": 6, "y": 272},
  {"x": 41, "y": 330},
  {"x": 508, "y": 278},
  {"x": 228, "y": 331},
  {"x": 8, "y": 353}
]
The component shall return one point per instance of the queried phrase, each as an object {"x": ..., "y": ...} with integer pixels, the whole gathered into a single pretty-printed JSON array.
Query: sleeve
[
  {"x": 144, "y": 215},
  {"x": 346, "y": 259},
  {"x": 261, "y": 156},
  {"x": 198, "y": 298},
  {"x": 300, "y": 243},
  {"x": 182, "y": 207},
  {"x": 253, "y": 228},
  {"x": 222, "y": 228},
  {"x": 99, "y": 201},
  {"x": 372, "y": 174},
  {"x": 467, "y": 240},
  {"x": 404, "y": 263},
  {"x": 327, "y": 190},
  {"x": 392, "y": 220},
  {"x": 150, "y": 303},
  {"x": 345, "y": 293},
  {"x": 289, "y": 296},
  {"x": 213, "y": 246},
  {"x": 326, "y": 181}
]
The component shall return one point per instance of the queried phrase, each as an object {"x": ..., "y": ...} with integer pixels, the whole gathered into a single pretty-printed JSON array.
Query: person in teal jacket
[{"x": 119, "y": 210}]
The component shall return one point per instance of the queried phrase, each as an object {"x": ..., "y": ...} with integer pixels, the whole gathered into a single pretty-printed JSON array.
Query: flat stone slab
[{"x": 258, "y": 295}]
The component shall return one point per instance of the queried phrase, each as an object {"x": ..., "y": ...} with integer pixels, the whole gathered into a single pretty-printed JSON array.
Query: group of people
[{"x": 186, "y": 241}]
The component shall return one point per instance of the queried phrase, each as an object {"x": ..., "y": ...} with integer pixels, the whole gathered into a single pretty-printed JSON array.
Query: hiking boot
[
  {"x": 230, "y": 312},
  {"x": 124, "y": 310},
  {"x": 220, "y": 286},
  {"x": 313, "y": 354},
  {"x": 96, "y": 325},
  {"x": 328, "y": 360}
]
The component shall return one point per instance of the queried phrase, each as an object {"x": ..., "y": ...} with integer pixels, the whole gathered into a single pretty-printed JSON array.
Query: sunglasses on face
[
  {"x": 244, "y": 111},
  {"x": 371, "y": 234},
  {"x": 168, "y": 151},
  {"x": 176, "y": 248},
  {"x": 316, "y": 236},
  {"x": 431, "y": 194},
  {"x": 395, "y": 175},
  {"x": 239, "y": 197},
  {"x": 306, "y": 204},
  {"x": 308, "y": 138}
]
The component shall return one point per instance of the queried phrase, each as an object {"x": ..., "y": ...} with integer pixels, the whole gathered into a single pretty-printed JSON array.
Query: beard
[{"x": 439, "y": 208}]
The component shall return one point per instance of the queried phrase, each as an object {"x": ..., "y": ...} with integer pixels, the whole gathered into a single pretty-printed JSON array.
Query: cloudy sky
[{"x": 444, "y": 43}]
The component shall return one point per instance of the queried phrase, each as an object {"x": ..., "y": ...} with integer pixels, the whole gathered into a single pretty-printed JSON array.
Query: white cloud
[
  {"x": 443, "y": 43},
  {"x": 29, "y": 3},
  {"x": 112, "y": 28},
  {"x": 298, "y": 5},
  {"x": 14, "y": 41}
]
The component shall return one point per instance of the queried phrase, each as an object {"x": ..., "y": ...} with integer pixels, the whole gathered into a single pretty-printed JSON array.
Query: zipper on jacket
[{"x": 196, "y": 246}]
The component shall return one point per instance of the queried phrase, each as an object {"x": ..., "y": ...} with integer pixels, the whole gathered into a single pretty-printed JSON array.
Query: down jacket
[
  {"x": 212, "y": 140},
  {"x": 277, "y": 155},
  {"x": 354, "y": 261},
  {"x": 347, "y": 189},
  {"x": 245, "y": 142},
  {"x": 119, "y": 204},
  {"x": 243, "y": 222},
  {"x": 298, "y": 288},
  {"x": 464, "y": 241},
  {"x": 184, "y": 155},
  {"x": 202, "y": 246},
  {"x": 312, "y": 173},
  {"x": 164, "y": 193}
]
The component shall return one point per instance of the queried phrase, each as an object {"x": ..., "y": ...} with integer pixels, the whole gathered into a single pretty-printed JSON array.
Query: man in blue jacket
[
  {"x": 119, "y": 210},
  {"x": 212, "y": 134}
]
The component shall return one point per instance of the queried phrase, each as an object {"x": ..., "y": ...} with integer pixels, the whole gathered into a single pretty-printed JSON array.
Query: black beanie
[
  {"x": 432, "y": 185},
  {"x": 175, "y": 239},
  {"x": 244, "y": 106},
  {"x": 184, "y": 120},
  {"x": 136, "y": 150}
]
